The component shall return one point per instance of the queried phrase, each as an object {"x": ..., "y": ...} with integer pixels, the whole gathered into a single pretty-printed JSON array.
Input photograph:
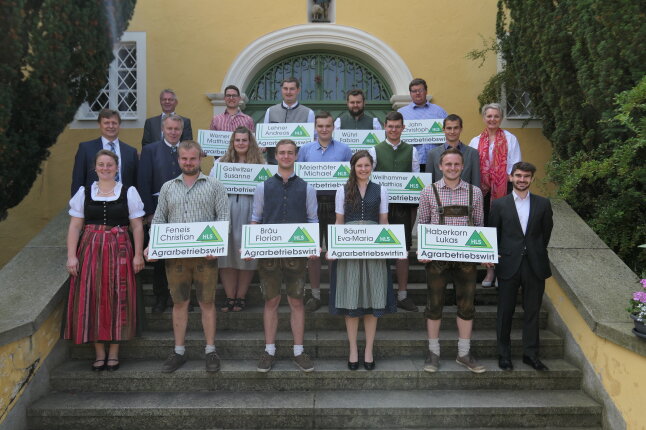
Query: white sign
[
  {"x": 188, "y": 240},
  {"x": 366, "y": 241},
  {"x": 359, "y": 139},
  {"x": 270, "y": 134},
  {"x": 457, "y": 243},
  {"x": 423, "y": 131},
  {"x": 324, "y": 175},
  {"x": 280, "y": 240},
  {"x": 214, "y": 142},
  {"x": 403, "y": 187},
  {"x": 242, "y": 178}
]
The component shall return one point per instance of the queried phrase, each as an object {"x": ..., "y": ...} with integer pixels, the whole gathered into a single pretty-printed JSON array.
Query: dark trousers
[{"x": 532, "y": 297}]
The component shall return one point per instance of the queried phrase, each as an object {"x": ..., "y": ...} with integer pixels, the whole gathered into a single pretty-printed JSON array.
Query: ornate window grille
[
  {"x": 518, "y": 105},
  {"x": 125, "y": 89},
  {"x": 325, "y": 79}
]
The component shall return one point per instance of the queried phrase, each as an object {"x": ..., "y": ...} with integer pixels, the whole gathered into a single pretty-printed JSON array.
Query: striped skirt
[
  {"x": 361, "y": 287},
  {"x": 101, "y": 305}
]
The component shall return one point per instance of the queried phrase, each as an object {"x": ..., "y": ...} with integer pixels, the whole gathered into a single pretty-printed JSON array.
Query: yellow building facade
[{"x": 198, "y": 47}]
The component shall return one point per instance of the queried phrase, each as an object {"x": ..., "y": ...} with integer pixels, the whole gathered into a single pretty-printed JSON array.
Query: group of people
[{"x": 483, "y": 183}]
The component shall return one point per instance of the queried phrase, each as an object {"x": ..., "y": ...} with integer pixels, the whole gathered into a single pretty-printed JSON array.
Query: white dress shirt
[{"x": 522, "y": 208}]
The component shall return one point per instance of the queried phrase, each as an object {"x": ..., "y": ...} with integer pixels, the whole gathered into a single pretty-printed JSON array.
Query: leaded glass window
[
  {"x": 324, "y": 78},
  {"x": 519, "y": 105},
  {"x": 120, "y": 92}
]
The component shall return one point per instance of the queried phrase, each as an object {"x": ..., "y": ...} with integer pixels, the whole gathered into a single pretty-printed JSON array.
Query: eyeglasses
[
  {"x": 231, "y": 96},
  {"x": 420, "y": 91}
]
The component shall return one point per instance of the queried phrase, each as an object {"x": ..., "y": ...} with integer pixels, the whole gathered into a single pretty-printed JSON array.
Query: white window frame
[
  {"x": 520, "y": 121},
  {"x": 85, "y": 118}
]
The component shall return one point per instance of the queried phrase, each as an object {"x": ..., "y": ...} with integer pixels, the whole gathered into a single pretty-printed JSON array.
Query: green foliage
[
  {"x": 574, "y": 57},
  {"x": 54, "y": 57}
]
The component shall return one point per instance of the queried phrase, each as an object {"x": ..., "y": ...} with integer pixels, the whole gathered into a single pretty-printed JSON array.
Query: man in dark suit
[
  {"x": 452, "y": 128},
  {"x": 153, "y": 127},
  {"x": 83, "y": 173},
  {"x": 524, "y": 226},
  {"x": 158, "y": 165}
]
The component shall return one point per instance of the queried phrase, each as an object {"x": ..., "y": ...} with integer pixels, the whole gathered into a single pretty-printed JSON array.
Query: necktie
[
  {"x": 113, "y": 148},
  {"x": 173, "y": 150}
]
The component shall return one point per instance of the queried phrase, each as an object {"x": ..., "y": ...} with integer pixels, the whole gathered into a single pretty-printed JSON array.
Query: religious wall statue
[{"x": 320, "y": 10}]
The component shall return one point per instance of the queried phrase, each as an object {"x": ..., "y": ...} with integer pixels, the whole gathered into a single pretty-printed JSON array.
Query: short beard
[
  {"x": 191, "y": 172},
  {"x": 357, "y": 114}
]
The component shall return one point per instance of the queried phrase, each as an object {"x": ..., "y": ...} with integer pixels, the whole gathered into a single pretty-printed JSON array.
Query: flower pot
[{"x": 640, "y": 328}]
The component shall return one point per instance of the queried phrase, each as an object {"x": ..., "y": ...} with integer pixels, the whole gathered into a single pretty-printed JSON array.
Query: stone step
[
  {"x": 311, "y": 409},
  {"x": 329, "y": 374},
  {"x": 251, "y": 319},
  {"x": 416, "y": 291},
  {"x": 322, "y": 344}
]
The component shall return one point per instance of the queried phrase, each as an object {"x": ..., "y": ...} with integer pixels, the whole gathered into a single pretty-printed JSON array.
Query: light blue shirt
[
  {"x": 425, "y": 111},
  {"x": 313, "y": 152},
  {"x": 259, "y": 203}
]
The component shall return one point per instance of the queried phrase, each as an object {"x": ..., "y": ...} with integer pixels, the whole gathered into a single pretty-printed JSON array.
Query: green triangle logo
[
  {"x": 300, "y": 132},
  {"x": 435, "y": 128},
  {"x": 263, "y": 175},
  {"x": 478, "y": 240},
  {"x": 415, "y": 184},
  {"x": 342, "y": 172},
  {"x": 210, "y": 234},
  {"x": 371, "y": 139},
  {"x": 387, "y": 236},
  {"x": 301, "y": 236}
]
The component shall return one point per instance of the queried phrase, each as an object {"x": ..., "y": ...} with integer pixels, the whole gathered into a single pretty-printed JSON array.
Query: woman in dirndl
[
  {"x": 236, "y": 273},
  {"x": 361, "y": 288},
  {"x": 499, "y": 151},
  {"x": 101, "y": 306}
]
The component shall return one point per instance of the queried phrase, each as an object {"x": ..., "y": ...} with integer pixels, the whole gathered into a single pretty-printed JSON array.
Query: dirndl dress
[
  {"x": 362, "y": 287},
  {"x": 101, "y": 304}
]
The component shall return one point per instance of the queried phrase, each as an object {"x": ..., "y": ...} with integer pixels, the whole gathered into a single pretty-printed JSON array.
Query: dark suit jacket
[
  {"x": 471, "y": 172},
  {"x": 83, "y": 173},
  {"x": 511, "y": 240},
  {"x": 152, "y": 130},
  {"x": 155, "y": 168}
]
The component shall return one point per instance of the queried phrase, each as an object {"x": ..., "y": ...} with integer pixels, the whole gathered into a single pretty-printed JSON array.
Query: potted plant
[{"x": 637, "y": 310}]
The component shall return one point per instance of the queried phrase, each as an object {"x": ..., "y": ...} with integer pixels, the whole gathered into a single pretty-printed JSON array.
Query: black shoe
[
  {"x": 353, "y": 365},
  {"x": 112, "y": 367},
  {"x": 505, "y": 364},
  {"x": 535, "y": 362},
  {"x": 100, "y": 367},
  {"x": 369, "y": 365},
  {"x": 160, "y": 305}
]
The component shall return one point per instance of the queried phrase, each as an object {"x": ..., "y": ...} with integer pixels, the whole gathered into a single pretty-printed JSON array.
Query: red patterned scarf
[{"x": 493, "y": 174}]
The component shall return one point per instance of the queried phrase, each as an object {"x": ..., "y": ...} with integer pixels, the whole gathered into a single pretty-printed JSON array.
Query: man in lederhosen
[{"x": 451, "y": 201}]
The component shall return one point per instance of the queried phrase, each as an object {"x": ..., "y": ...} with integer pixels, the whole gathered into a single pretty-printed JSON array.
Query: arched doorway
[
  {"x": 349, "y": 42},
  {"x": 325, "y": 78}
]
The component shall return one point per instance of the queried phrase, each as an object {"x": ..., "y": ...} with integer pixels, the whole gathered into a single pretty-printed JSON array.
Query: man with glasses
[
  {"x": 420, "y": 108},
  {"x": 232, "y": 117},
  {"x": 153, "y": 128}
]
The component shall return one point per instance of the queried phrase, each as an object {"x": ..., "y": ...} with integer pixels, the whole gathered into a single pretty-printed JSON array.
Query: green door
[{"x": 325, "y": 79}]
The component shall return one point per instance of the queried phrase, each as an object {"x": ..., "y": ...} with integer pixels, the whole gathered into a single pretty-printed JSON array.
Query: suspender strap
[{"x": 440, "y": 208}]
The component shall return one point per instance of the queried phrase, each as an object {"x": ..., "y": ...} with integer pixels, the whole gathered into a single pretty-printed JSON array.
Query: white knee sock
[
  {"x": 298, "y": 350},
  {"x": 464, "y": 345},
  {"x": 434, "y": 346},
  {"x": 270, "y": 348}
]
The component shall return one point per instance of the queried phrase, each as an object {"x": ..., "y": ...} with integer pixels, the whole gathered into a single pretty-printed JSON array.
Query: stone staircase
[{"x": 398, "y": 394}]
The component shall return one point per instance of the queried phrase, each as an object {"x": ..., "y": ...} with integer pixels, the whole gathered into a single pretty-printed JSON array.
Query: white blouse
[
  {"x": 340, "y": 197},
  {"x": 135, "y": 205},
  {"x": 513, "y": 149}
]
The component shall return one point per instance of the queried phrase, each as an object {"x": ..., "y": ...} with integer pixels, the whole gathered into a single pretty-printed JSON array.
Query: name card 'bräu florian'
[
  {"x": 457, "y": 243},
  {"x": 268, "y": 135},
  {"x": 279, "y": 240},
  {"x": 366, "y": 241},
  {"x": 188, "y": 240}
]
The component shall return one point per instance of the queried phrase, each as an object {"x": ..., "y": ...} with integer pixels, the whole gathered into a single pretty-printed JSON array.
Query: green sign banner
[
  {"x": 366, "y": 241},
  {"x": 268, "y": 135},
  {"x": 423, "y": 131},
  {"x": 188, "y": 240},
  {"x": 359, "y": 139},
  {"x": 279, "y": 240},
  {"x": 213, "y": 142},
  {"x": 241, "y": 178},
  {"x": 457, "y": 243},
  {"x": 324, "y": 175}
]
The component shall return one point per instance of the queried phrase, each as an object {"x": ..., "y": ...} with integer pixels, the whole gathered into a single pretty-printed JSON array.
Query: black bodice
[
  {"x": 112, "y": 213},
  {"x": 367, "y": 209}
]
